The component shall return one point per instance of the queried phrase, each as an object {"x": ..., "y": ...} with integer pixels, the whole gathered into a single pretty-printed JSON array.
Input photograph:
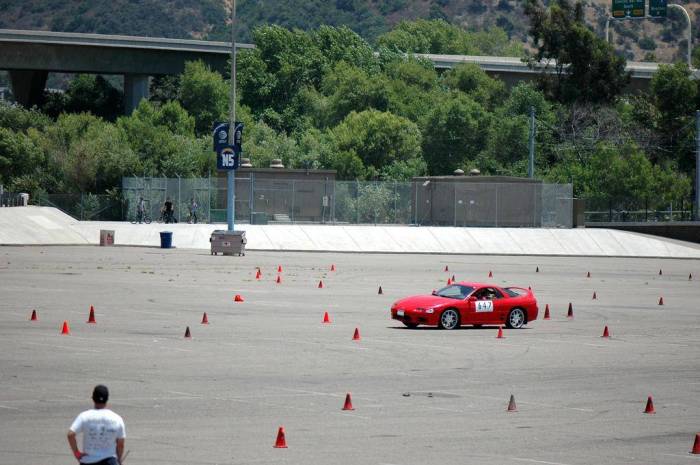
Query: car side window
[{"x": 495, "y": 293}]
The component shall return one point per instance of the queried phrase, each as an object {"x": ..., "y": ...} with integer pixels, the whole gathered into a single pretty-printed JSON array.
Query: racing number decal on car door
[{"x": 484, "y": 306}]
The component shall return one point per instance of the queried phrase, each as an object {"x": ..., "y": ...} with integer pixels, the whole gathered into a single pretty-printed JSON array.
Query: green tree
[
  {"x": 94, "y": 94},
  {"x": 586, "y": 67},
  {"x": 472, "y": 80},
  {"x": 379, "y": 139},
  {"x": 204, "y": 94},
  {"x": 19, "y": 155},
  {"x": 454, "y": 131}
]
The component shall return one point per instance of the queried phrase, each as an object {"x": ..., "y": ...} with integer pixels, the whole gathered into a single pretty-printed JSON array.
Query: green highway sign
[
  {"x": 658, "y": 8},
  {"x": 628, "y": 8}
]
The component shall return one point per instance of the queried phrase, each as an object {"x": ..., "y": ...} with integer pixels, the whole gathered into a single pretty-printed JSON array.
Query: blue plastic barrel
[{"x": 166, "y": 239}]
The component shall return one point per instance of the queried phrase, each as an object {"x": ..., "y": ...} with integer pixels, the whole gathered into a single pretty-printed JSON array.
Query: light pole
[{"x": 231, "y": 174}]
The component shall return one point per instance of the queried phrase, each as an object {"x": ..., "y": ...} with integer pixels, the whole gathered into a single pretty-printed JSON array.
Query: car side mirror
[
  {"x": 434, "y": 292},
  {"x": 471, "y": 298}
]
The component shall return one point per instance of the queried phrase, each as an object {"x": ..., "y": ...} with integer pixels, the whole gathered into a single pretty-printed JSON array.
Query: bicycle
[{"x": 141, "y": 218}]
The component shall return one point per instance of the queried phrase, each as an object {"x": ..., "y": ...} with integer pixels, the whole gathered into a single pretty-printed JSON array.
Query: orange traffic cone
[
  {"x": 281, "y": 442},
  {"x": 91, "y": 317},
  {"x": 356, "y": 336},
  {"x": 446, "y": 268},
  {"x": 606, "y": 333},
  {"x": 33, "y": 317},
  {"x": 326, "y": 318},
  {"x": 588, "y": 275},
  {"x": 546, "y": 312},
  {"x": 570, "y": 312},
  {"x": 258, "y": 274},
  {"x": 449, "y": 281},
  {"x": 238, "y": 298},
  {"x": 595, "y": 296},
  {"x": 690, "y": 276},
  {"x": 65, "y": 330},
  {"x": 453, "y": 279},
  {"x": 696, "y": 445},
  {"x": 537, "y": 270},
  {"x": 332, "y": 267},
  {"x": 660, "y": 272},
  {"x": 661, "y": 300},
  {"x": 279, "y": 268},
  {"x": 348, "y": 403},
  {"x": 320, "y": 284},
  {"x": 500, "y": 333},
  {"x": 187, "y": 332},
  {"x": 511, "y": 404},
  {"x": 279, "y": 279},
  {"x": 380, "y": 291},
  {"x": 490, "y": 275},
  {"x": 649, "y": 409},
  {"x": 205, "y": 319}
]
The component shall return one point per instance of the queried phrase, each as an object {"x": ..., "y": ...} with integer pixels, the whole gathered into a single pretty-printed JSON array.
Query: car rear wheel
[
  {"x": 449, "y": 319},
  {"x": 411, "y": 325},
  {"x": 516, "y": 318}
]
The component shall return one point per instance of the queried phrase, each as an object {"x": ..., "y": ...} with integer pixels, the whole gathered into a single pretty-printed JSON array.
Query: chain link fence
[
  {"x": 429, "y": 202},
  {"x": 613, "y": 210}
]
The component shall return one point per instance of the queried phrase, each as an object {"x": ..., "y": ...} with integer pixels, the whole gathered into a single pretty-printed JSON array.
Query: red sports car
[{"x": 468, "y": 304}]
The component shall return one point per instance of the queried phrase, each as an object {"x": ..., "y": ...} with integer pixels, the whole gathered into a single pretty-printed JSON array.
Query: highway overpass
[{"x": 30, "y": 55}]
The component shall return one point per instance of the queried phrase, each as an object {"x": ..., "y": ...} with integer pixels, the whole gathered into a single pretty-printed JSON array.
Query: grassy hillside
[{"x": 208, "y": 19}]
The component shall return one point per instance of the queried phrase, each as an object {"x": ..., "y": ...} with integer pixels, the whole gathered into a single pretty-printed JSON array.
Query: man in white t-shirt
[{"x": 103, "y": 433}]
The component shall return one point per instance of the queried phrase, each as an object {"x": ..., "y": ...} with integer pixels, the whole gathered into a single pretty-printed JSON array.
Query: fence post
[
  {"x": 357, "y": 201},
  {"x": 646, "y": 209},
  {"x": 179, "y": 203},
  {"x": 454, "y": 201},
  {"x": 293, "y": 197},
  {"x": 396, "y": 194}
]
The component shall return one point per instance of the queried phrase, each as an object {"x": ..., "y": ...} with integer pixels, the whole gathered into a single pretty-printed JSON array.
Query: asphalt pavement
[{"x": 421, "y": 396}]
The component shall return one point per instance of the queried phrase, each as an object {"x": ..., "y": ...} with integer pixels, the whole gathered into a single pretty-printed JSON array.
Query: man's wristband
[{"x": 78, "y": 454}]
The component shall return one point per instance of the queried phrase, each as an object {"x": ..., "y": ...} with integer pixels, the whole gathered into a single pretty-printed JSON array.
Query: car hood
[{"x": 423, "y": 301}]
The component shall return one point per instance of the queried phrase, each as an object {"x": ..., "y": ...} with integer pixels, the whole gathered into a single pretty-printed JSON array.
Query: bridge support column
[
  {"x": 28, "y": 86},
  {"x": 136, "y": 88}
]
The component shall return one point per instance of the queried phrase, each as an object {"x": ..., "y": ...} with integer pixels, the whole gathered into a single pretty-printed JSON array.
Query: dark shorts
[{"x": 109, "y": 461}]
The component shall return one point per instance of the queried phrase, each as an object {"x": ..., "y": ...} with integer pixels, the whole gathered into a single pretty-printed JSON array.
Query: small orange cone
[
  {"x": 348, "y": 403},
  {"x": 511, "y": 404},
  {"x": 279, "y": 268},
  {"x": 238, "y": 298},
  {"x": 281, "y": 442},
  {"x": 546, "y": 312},
  {"x": 595, "y": 296},
  {"x": 449, "y": 281},
  {"x": 500, "y": 333},
  {"x": 279, "y": 279},
  {"x": 588, "y": 275},
  {"x": 332, "y": 267},
  {"x": 33, "y": 317},
  {"x": 258, "y": 274},
  {"x": 453, "y": 278},
  {"x": 606, "y": 333},
  {"x": 690, "y": 276},
  {"x": 649, "y": 409},
  {"x": 205, "y": 319},
  {"x": 529, "y": 288},
  {"x": 326, "y": 318},
  {"x": 660, "y": 272},
  {"x": 187, "y": 332},
  {"x": 380, "y": 291},
  {"x": 661, "y": 300},
  {"x": 65, "y": 329},
  {"x": 320, "y": 284},
  {"x": 537, "y": 270},
  {"x": 570, "y": 312},
  {"x": 356, "y": 336},
  {"x": 91, "y": 317},
  {"x": 490, "y": 275},
  {"x": 696, "y": 445},
  {"x": 446, "y": 268}
]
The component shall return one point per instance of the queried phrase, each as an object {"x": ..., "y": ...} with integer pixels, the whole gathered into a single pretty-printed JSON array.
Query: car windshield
[{"x": 456, "y": 291}]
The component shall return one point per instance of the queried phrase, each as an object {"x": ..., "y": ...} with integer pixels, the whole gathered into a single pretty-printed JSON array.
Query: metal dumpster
[{"x": 227, "y": 242}]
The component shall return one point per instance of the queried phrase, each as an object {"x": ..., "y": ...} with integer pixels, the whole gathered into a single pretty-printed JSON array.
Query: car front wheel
[
  {"x": 516, "y": 318},
  {"x": 449, "y": 319}
]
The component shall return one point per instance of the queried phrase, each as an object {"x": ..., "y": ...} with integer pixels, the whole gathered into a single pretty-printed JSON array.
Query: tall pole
[
  {"x": 531, "y": 164},
  {"x": 231, "y": 174},
  {"x": 697, "y": 166}
]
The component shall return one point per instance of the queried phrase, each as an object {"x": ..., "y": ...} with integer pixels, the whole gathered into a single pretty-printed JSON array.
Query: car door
[{"x": 483, "y": 308}]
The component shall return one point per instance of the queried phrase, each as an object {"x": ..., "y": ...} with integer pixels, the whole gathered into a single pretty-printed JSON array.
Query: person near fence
[
  {"x": 103, "y": 432},
  {"x": 193, "y": 210},
  {"x": 141, "y": 209},
  {"x": 168, "y": 211}
]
